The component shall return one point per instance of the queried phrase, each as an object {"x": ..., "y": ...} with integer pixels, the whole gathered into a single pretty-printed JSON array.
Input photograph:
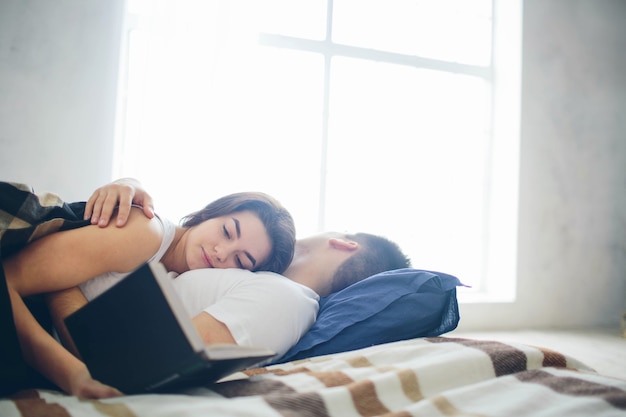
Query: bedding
[
  {"x": 437, "y": 376},
  {"x": 419, "y": 376}
]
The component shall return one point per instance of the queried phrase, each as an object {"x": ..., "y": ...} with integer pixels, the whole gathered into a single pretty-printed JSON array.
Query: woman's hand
[
  {"x": 122, "y": 194},
  {"x": 84, "y": 386}
]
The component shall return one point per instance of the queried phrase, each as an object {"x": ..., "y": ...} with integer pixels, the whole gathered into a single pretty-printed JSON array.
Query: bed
[
  {"x": 379, "y": 348},
  {"x": 437, "y": 376}
]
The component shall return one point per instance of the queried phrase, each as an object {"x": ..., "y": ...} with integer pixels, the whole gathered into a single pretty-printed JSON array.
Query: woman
[{"x": 245, "y": 230}]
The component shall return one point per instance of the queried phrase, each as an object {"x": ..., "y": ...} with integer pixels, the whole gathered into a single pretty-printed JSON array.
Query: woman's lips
[{"x": 206, "y": 259}]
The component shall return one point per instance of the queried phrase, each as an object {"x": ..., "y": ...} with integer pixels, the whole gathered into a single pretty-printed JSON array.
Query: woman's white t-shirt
[
  {"x": 96, "y": 286},
  {"x": 259, "y": 308}
]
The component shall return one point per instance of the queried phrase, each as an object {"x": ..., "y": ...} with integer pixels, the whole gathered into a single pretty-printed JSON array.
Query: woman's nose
[
  {"x": 222, "y": 253},
  {"x": 219, "y": 253}
]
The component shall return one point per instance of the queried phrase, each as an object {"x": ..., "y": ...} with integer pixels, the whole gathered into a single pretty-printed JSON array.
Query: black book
[{"x": 137, "y": 337}]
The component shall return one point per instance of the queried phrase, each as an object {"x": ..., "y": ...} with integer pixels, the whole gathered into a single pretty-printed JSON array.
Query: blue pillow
[{"x": 386, "y": 307}]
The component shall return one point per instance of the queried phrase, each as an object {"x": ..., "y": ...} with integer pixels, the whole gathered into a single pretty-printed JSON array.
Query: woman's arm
[
  {"x": 63, "y": 260},
  {"x": 46, "y": 355},
  {"x": 66, "y": 259},
  {"x": 211, "y": 330},
  {"x": 61, "y": 304}
]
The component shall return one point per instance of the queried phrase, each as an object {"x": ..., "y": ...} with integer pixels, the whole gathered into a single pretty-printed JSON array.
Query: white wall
[
  {"x": 58, "y": 64},
  {"x": 572, "y": 228},
  {"x": 58, "y": 76}
]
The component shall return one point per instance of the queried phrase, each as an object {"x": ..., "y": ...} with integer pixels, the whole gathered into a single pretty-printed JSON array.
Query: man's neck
[
  {"x": 306, "y": 271},
  {"x": 298, "y": 266}
]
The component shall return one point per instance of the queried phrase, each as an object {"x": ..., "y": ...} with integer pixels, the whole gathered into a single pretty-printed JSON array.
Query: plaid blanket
[
  {"x": 25, "y": 217},
  {"x": 439, "y": 376}
]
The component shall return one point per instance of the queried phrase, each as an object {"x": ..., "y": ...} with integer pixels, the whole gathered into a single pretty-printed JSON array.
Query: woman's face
[{"x": 236, "y": 240}]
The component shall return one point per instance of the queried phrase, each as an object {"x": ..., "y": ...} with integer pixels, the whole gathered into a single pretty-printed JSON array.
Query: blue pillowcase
[{"x": 386, "y": 307}]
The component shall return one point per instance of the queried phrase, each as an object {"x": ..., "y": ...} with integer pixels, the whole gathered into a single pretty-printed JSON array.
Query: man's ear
[{"x": 343, "y": 244}]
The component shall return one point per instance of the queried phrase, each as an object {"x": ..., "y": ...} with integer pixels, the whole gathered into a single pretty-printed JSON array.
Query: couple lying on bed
[{"x": 227, "y": 305}]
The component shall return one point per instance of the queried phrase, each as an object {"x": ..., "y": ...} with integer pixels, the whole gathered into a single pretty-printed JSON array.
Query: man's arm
[{"x": 120, "y": 193}]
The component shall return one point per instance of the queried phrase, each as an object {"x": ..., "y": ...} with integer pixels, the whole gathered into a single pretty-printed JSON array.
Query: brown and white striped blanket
[{"x": 439, "y": 376}]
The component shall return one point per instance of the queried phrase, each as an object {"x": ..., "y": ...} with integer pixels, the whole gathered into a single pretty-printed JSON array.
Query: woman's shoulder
[{"x": 138, "y": 223}]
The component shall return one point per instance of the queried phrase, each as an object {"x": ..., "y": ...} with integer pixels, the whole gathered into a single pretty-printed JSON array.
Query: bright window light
[{"x": 395, "y": 117}]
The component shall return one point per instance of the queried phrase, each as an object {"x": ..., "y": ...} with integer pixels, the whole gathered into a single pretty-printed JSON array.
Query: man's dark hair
[{"x": 376, "y": 254}]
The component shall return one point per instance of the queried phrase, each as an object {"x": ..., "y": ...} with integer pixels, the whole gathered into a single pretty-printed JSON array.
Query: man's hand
[{"x": 121, "y": 194}]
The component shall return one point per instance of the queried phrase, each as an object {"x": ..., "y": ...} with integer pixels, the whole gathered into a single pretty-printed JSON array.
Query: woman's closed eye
[
  {"x": 236, "y": 225},
  {"x": 238, "y": 261}
]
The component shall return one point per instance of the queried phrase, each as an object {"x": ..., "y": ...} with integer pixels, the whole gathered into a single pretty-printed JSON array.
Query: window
[{"x": 395, "y": 117}]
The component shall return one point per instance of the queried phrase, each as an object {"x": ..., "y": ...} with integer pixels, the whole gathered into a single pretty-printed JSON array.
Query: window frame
[{"x": 503, "y": 72}]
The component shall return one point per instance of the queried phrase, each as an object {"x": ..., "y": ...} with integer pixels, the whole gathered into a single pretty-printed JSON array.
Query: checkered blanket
[
  {"x": 24, "y": 217},
  {"x": 441, "y": 376}
]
